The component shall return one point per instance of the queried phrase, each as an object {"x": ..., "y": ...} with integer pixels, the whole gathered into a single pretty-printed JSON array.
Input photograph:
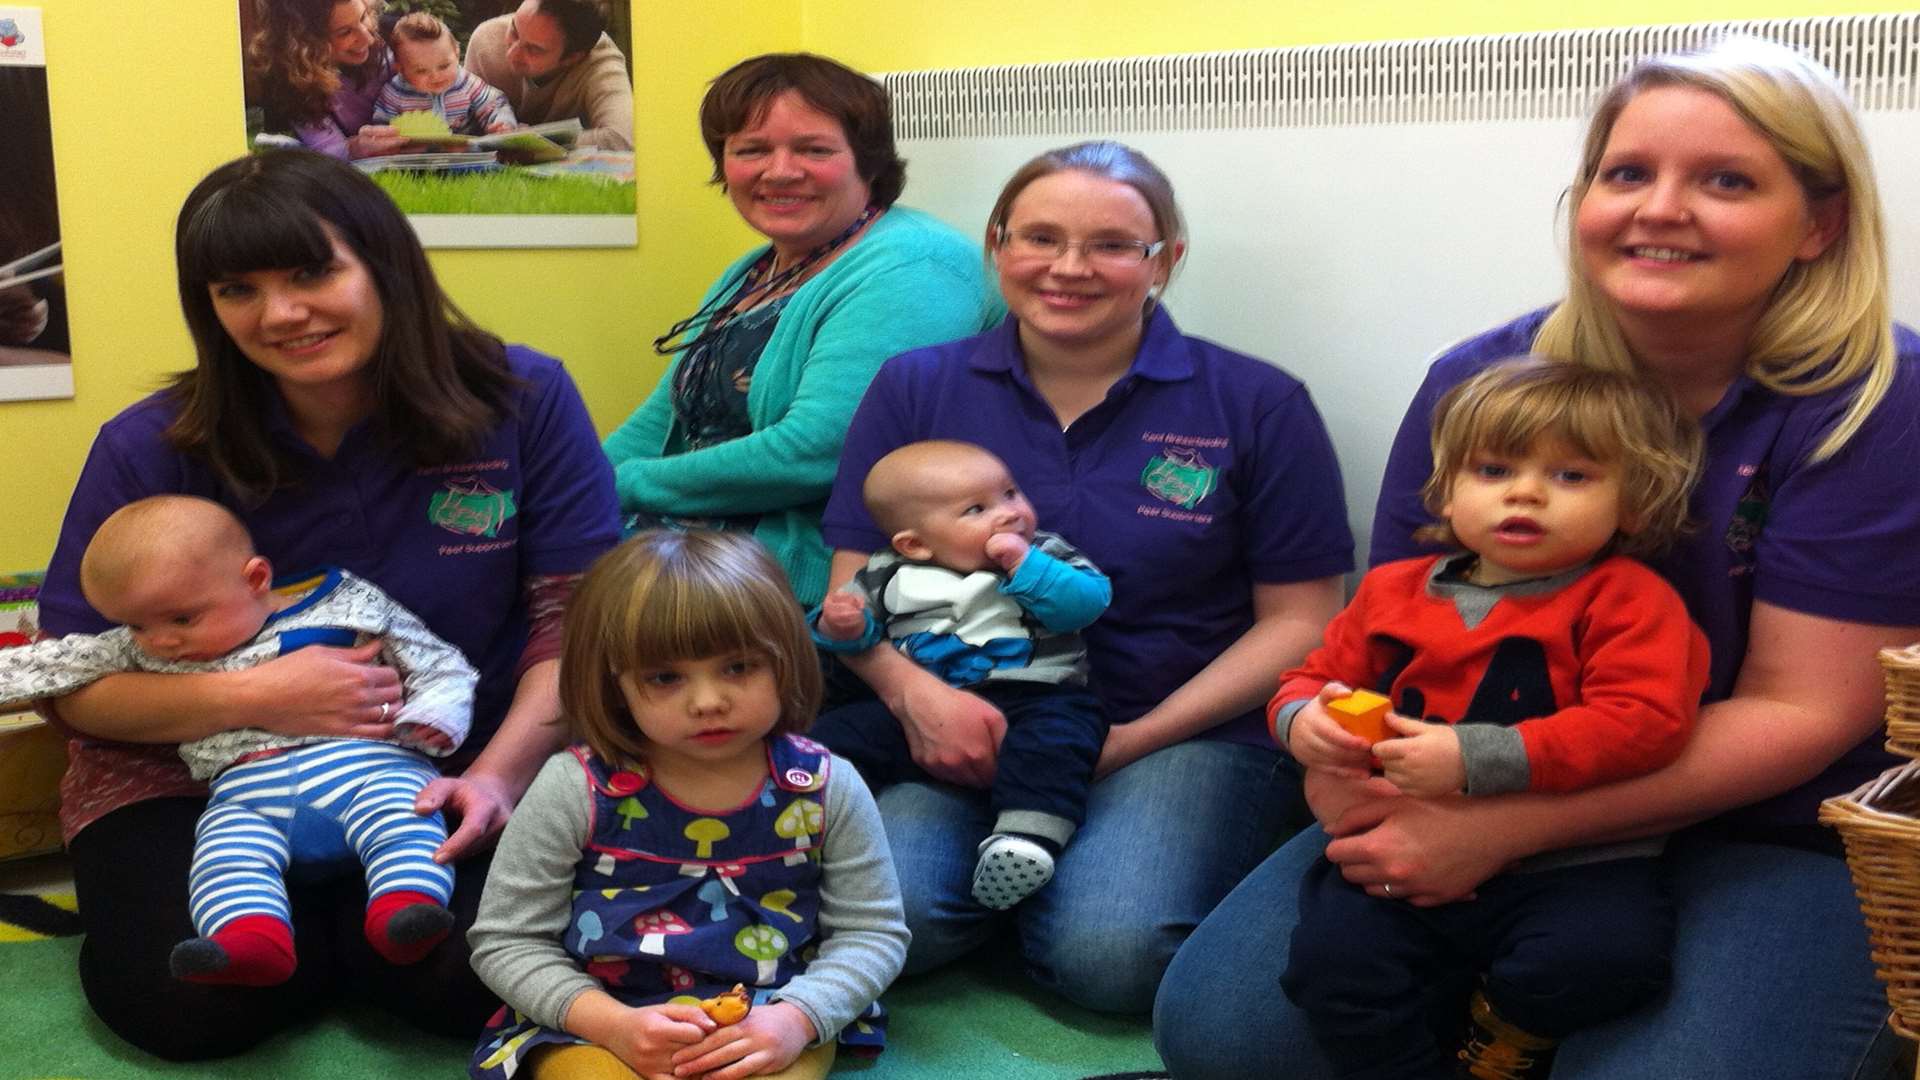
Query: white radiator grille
[{"x": 1512, "y": 76}]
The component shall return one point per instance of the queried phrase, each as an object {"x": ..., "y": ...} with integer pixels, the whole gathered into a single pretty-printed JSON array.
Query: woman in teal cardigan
[{"x": 744, "y": 430}]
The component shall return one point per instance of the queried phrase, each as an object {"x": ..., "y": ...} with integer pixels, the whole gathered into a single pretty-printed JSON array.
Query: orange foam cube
[{"x": 1364, "y": 713}]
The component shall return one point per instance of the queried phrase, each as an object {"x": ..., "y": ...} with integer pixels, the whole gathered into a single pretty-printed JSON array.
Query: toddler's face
[
  {"x": 195, "y": 613},
  {"x": 967, "y": 502},
  {"x": 431, "y": 66},
  {"x": 1533, "y": 514}
]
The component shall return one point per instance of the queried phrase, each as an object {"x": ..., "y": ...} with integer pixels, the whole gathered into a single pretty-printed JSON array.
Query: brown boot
[{"x": 1496, "y": 1050}]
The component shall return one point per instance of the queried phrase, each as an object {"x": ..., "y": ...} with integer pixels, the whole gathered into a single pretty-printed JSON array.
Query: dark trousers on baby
[
  {"x": 1560, "y": 949},
  {"x": 1054, "y": 735}
]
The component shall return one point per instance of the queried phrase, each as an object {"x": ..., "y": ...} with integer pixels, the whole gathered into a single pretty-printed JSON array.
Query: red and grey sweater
[{"x": 1561, "y": 683}]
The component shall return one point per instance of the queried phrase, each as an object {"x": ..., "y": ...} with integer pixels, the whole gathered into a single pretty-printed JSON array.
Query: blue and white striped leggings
[{"x": 318, "y": 803}]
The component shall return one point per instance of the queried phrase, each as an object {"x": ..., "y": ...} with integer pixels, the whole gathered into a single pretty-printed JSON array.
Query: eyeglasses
[{"x": 1049, "y": 245}]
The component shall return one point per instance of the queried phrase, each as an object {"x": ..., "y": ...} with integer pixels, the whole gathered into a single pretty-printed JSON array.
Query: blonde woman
[{"x": 1725, "y": 243}]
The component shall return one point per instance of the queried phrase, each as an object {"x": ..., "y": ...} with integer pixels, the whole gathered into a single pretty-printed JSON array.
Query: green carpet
[{"x": 971, "y": 1020}]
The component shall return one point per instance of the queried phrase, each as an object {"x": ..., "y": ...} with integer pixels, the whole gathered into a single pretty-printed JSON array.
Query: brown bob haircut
[
  {"x": 1618, "y": 419},
  {"x": 740, "y": 96},
  {"x": 440, "y": 383},
  {"x": 666, "y": 596}
]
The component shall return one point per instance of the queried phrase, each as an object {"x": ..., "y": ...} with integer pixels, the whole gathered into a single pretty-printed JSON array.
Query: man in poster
[{"x": 554, "y": 60}]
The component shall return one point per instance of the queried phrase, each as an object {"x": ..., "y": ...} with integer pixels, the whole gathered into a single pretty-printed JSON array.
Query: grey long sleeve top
[{"x": 529, "y": 898}]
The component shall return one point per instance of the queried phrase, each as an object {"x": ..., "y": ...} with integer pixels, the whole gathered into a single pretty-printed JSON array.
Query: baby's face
[
  {"x": 966, "y": 503},
  {"x": 431, "y": 66},
  {"x": 190, "y": 614}
]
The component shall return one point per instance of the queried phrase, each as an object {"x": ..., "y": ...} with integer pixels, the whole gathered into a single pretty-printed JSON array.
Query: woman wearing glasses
[
  {"x": 744, "y": 430},
  {"x": 1203, "y": 483}
]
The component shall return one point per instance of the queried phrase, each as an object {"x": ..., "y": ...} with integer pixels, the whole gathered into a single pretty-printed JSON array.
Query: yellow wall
[{"x": 139, "y": 116}]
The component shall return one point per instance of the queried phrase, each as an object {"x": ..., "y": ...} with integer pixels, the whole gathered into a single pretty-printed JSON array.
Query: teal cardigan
[{"x": 909, "y": 281}]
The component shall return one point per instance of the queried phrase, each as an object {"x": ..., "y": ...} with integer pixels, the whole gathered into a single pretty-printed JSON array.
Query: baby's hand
[
  {"x": 1425, "y": 759},
  {"x": 1317, "y": 740},
  {"x": 501, "y": 127},
  {"x": 1008, "y": 549},
  {"x": 431, "y": 739},
  {"x": 843, "y": 616}
]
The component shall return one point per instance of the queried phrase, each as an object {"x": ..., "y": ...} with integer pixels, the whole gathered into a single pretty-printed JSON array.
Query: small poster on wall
[
  {"x": 35, "y": 356},
  {"x": 492, "y": 123}
]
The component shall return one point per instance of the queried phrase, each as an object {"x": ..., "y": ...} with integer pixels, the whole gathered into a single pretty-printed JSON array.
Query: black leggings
[{"x": 130, "y": 872}]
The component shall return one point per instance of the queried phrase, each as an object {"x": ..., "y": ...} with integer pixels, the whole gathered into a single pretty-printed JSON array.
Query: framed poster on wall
[
  {"x": 492, "y": 123},
  {"x": 35, "y": 354}
]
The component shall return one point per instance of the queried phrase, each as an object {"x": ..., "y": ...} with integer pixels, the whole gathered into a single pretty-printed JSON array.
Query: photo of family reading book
[{"x": 456, "y": 107}]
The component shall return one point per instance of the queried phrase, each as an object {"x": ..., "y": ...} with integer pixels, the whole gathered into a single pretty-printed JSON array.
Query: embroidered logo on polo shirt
[
  {"x": 469, "y": 506},
  {"x": 1179, "y": 475},
  {"x": 1749, "y": 513}
]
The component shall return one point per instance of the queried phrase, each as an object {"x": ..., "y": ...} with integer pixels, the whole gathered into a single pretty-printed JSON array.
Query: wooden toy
[{"x": 1364, "y": 713}]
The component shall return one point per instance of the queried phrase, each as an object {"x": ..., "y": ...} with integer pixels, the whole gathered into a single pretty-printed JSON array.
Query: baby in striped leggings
[{"x": 182, "y": 577}]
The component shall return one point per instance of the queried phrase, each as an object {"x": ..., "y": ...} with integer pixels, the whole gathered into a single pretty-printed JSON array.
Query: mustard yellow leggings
[{"x": 578, "y": 1062}]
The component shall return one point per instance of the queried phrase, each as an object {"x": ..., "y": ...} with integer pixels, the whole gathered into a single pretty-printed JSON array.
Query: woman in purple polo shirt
[
  {"x": 351, "y": 417},
  {"x": 1726, "y": 243},
  {"x": 1203, "y": 483}
]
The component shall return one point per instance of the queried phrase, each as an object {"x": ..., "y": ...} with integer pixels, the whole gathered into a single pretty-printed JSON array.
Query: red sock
[
  {"x": 404, "y": 925},
  {"x": 253, "y": 950}
]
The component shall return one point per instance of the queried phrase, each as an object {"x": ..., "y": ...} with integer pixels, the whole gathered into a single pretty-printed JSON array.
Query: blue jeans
[
  {"x": 1771, "y": 977},
  {"x": 1165, "y": 838}
]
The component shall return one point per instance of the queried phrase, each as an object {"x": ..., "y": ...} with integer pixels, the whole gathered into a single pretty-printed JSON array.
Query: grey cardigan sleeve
[
  {"x": 863, "y": 928},
  {"x": 529, "y": 896}
]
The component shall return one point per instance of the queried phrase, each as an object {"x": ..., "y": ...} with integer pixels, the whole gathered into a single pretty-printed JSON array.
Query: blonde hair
[
  {"x": 1828, "y": 323},
  {"x": 160, "y": 531},
  {"x": 665, "y": 596},
  {"x": 1618, "y": 419}
]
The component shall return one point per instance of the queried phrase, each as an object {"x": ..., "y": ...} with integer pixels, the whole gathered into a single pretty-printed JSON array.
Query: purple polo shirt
[
  {"x": 1202, "y": 472},
  {"x": 453, "y": 543},
  {"x": 1839, "y": 539}
]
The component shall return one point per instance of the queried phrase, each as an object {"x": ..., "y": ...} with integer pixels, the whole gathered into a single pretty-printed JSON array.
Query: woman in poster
[{"x": 315, "y": 68}]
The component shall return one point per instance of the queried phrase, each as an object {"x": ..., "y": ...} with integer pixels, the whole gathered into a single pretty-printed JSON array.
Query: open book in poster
[{"x": 540, "y": 142}]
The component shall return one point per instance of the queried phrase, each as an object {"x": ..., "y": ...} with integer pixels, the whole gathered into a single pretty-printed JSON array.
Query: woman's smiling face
[
  {"x": 347, "y": 33},
  {"x": 1071, "y": 300},
  {"x": 792, "y": 175},
  {"x": 1692, "y": 213}
]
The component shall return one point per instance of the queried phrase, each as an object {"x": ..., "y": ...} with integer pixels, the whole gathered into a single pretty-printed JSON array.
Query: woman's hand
[
  {"x": 768, "y": 1040},
  {"x": 376, "y": 140},
  {"x": 23, "y": 316},
  {"x": 322, "y": 690},
  {"x": 952, "y": 734},
  {"x": 481, "y": 801},
  {"x": 1424, "y": 851},
  {"x": 1331, "y": 793},
  {"x": 1124, "y": 745}
]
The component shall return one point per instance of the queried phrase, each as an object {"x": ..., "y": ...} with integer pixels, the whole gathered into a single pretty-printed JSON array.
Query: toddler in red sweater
[{"x": 1537, "y": 655}]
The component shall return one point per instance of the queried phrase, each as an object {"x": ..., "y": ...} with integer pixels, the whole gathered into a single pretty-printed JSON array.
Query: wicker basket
[
  {"x": 1902, "y": 668},
  {"x": 1880, "y": 825}
]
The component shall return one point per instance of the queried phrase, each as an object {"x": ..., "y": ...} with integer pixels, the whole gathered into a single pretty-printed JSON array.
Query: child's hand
[
  {"x": 1424, "y": 760},
  {"x": 843, "y": 616},
  {"x": 422, "y": 737},
  {"x": 649, "y": 1038},
  {"x": 500, "y": 127},
  {"x": 1317, "y": 740},
  {"x": 1007, "y": 549},
  {"x": 766, "y": 1041}
]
